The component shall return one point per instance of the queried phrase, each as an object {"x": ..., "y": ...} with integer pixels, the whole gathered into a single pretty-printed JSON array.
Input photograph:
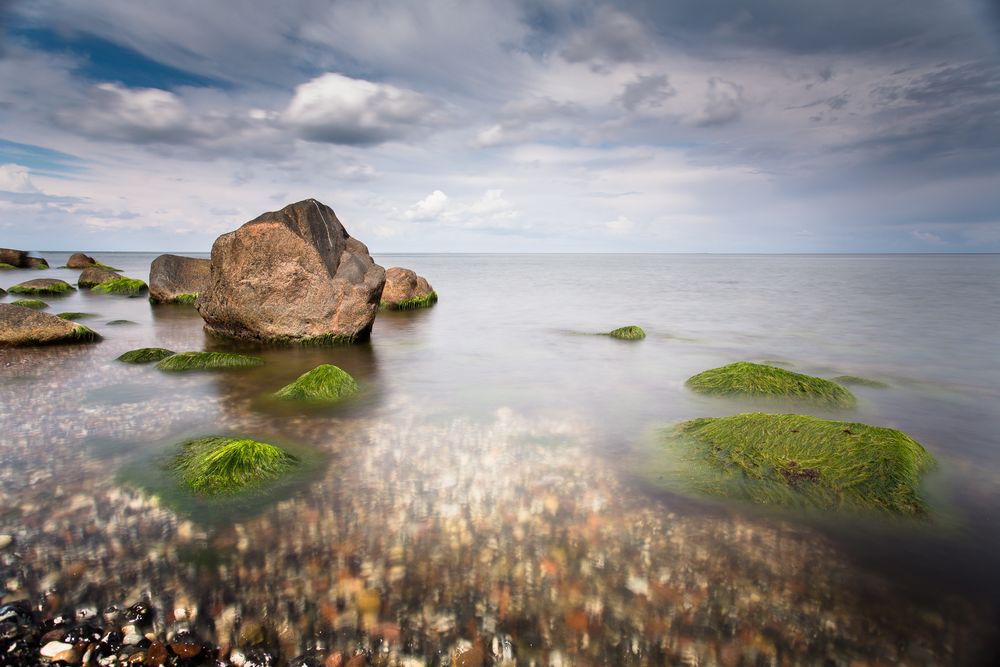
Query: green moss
[
  {"x": 145, "y": 355},
  {"x": 860, "y": 381},
  {"x": 793, "y": 460},
  {"x": 34, "y": 304},
  {"x": 425, "y": 301},
  {"x": 74, "y": 316},
  {"x": 757, "y": 380},
  {"x": 105, "y": 267},
  {"x": 120, "y": 322},
  {"x": 185, "y": 298},
  {"x": 124, "y": 286},
  {"x": 4, "y": 266},
  {"x": 84, "y": 334},
  {"x": 198, "y": 361},
  {"x": 323, "y": 384},
  {"x": 220, "y": 465},
  {"x": 52, "y": 289},
  {"x": 628, "y": 333}
]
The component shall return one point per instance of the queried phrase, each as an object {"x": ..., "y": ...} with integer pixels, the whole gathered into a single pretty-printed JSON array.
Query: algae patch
[
  {"x": 793, "y": 461},
  {"x": 744, "y": 378},
  {"x": 217, "y": 465},
  {"x": 424, "y": 301},
  {"x": 323, "y": 384},
  {"x": 34, "y": 304},
  {"x": 145, "y": 355},
  {"x": 123, "y": 286},
  {"x": 197, "y": 361},
  {"x": 631, "y": 332},
  {"x": 72, "y": 316}
]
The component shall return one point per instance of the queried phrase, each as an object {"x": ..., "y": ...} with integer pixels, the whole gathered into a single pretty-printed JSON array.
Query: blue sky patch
[{"x": 38, "y": 158}]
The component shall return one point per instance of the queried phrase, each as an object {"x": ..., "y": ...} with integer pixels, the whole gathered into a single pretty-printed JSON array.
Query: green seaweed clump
[
  {"x": 120, "y": 322},
  {"x": 757, "y": 380},
  {"x": 123, "y": 286},
  {"x": 323, "y": 384},
  {"x": 217, "y": 465},
  {"x": 423, "y": 301},
  {"x": 200, "y": 361},
  {"x": 628, "y": 333},
  {"x": 4, "y": 266},
  {"x": 74, "y": 316},
  {"x": 49, "y": 288},
  {"x": 84, "y": 334},
  {"x": 145, "y": 355},
  {"x": 794, "y": 461},
  {"x": 34, "y": 304},
  {"x": 860, "y": 381},
  {"x": 105, "y": 267},
  {"x": 185, "y": 298}
]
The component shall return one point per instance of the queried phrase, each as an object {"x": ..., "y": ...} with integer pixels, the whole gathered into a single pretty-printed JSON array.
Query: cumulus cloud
[
  {"x": 723, "y": 103},
  {"x": 647, "y": 91},
  {"x": 138, "y": 115},
  {"x": 337, "y": 109},
  {"x": 428, "y": 208},
  {"x": 611, "y": 37},
  {"x": 527, "y": 118},
  {"x": 15, "y": 178},
  {"x": 489, "y": 211}
]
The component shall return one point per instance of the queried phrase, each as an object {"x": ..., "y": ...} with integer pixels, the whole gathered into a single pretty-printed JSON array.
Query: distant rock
[
  {"x": 42, "y": 287},
  {"x": 35, "y": 263},
  {"x": 292, "y": 276},
  {"x": 80, "y": 261},
  {"x": 15, "y": 258},
  {"x": 93, "y": 276},
  {"x": 21, "y": 326},
  {"x": 405, "y": 290},
  {"x": 3, "y": 292},
  {"x": 176, "y": 279}
]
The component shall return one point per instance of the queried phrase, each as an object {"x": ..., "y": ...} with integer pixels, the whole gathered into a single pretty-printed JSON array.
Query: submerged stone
[
  {"x": 145, "y": 355},
  {"x": 121, "y": 285},
  {"x": 42, "y": 287},
  {"x": 221, "y": 465},
  {"x": 74, "y": 315},
  {"x": 793, "y": 460},
  {"x": 631, "y": 332},
  {"x": 860, "y": 381},
  {"x": 198, "y": 361},
  {"x": 744, "y": 378},
  {"x": 323, "y": 384},
  {"x": 21, "y": 326}
]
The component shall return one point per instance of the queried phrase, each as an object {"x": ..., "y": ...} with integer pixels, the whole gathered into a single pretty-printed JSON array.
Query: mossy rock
[
  {"x": 422, "y": 301},
  {"x": 860, "y": 381},
  {"x": 34, "y": 304},
  {"x": 73, "y": 316},
  {"x": 217, "y": 465},
  {"x": 4, "y": 266},
  {"x": 793, "y": 461},
  {"x": 200, "y": 361},
  {"x": 631, "y": 332},
  {"x": 145, "y": 355},
  {"x": 123, "y": 286},
  {"x": 744, "y": 378},
  {"x": 187, "y": 298},
  {"x": 42, "y": 287},
  {"x": 117, "y": 323},
  {"x": 323, "y": 384}
]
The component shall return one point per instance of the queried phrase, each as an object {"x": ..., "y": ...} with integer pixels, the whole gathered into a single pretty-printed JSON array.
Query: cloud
[
  {"x": 428, "y": 208},
  {"x": 647, "y": 91},
  {"x": 489, "y": 211},
  {"x": 526, "y": 119},
  {"x": 926, "y": 237},
  {"x": 137, "y": 115},
  {"x": 337, "y": 109},
  {"x": 611, "y": 37},
  {"x": 723, "y": 103},
  {"x": 620, "y": 226},
  {"x": 15, "y": 178}
]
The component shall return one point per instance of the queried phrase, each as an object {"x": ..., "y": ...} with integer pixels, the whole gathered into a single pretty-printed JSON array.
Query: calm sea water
[{"x": 484, "y": 488}]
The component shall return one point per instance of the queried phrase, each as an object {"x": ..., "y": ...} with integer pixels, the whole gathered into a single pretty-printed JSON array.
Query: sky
[{"x": 507, "y": 126}]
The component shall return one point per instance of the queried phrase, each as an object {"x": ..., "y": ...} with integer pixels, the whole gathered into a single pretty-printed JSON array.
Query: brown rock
[
  {"x": 156, "y": 654},
  {"x": 173, "y": 276},
  {"x": 20, "y": 326},
  {"x": 95, "y": 276},
  {"x": 79, "y": 261},
  {"x": 35, "y": 263},
  {"x": 473, "y": 657},
  {"x": 42, "y": 286},
  {"x": 405, "y": 289},
  {"x": 293, "y": 275},
  {"x": 13, "y": 257}
]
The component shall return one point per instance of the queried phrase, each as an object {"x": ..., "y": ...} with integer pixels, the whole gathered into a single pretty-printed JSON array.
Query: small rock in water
[
  {"x": 52, "y": 649},
  {"x": 6, "y": 541}
]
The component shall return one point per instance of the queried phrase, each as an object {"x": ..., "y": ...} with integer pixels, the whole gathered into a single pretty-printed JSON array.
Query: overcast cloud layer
[{"x": 538, "y": 125}]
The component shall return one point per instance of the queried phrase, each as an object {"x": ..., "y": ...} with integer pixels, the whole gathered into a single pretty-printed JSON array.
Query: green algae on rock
[
  {"x": 188, "y": 298},
  {"x": 124, "y": 286},
  {"x": 757, "y": 380},
  {"x": 4, "y": 266},
  {"x": 794, "y": 461},
  {"x": 42, "y": 287},
  {"x": 323, "y": 384},
  {"x": 145, "y": 355},
  {"x": 423, "y": 301},
  {"x": 34, "y": 304},
  {"x": 860, "y": 381},
  {"x": 631, "y": 332},
  {"x": 199, "y": 361},
  {"x": 216, "y": 465},
  {"x": 74, "y": 315},
  {"x": 115, "y": 323}
]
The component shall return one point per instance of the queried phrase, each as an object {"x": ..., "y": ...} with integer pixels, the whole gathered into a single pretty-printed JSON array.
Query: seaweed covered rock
[
  {"x": 94, "y": 275},
  {"x": 21, "y": 326},
  {"x": 177, "y": 279},
  {"x": 292, "y": 276},
  {"x": 72, "y": 315},
  {"x": 323, "y": 384},
  {"x": 630, "y": 332},
  {"x": 42, "y": 287},
  {"x": 744, "y": 378},
  {"x": 80, "y": 261},
  {"x": 145, "y": 355},
  {"x": 202, "y": 361},
  {"x": 121, "y": 285},
  {"x": 220, "y": 465},
  {"x": 405, "y": 290},
  {"x": 36, "y": 263},
  {"x": 34, "y": 304},
  {"x": 793, "y": 460}
]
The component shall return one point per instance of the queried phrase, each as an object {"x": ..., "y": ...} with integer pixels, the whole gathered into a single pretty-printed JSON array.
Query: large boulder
[
  {"x": 93, "y": 276},
  {"x": 13, "y": 257},
  {"x": 21, "y": 326},
  {"x": 405, "y": 290},
  {"x": 292, "y": 276},
  {"x": 176, "y": 279},
  {"x": 80, "y": 261}
]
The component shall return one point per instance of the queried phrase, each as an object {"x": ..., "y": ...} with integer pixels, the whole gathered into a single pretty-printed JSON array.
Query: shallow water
[{"x": 483, "y": 489}]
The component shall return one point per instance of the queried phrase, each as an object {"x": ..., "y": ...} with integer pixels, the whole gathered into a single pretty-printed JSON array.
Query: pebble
[{"x": 6, "y": 541}]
